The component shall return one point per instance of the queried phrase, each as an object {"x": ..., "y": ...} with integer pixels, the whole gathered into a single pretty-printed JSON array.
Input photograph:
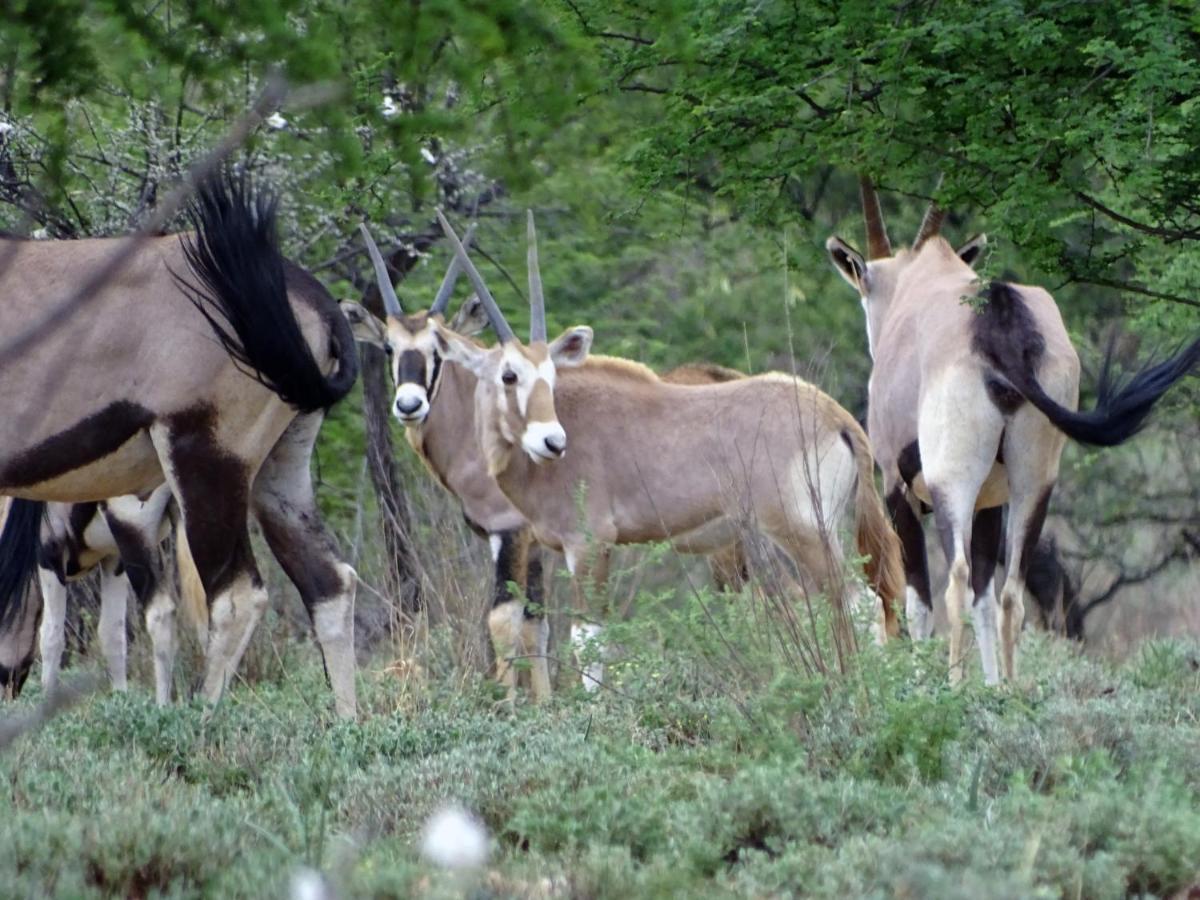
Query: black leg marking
[
  {"x": 1033, "y": 529},
  {"x": 985, "y": 547},
  {"x": 912, "y": 543},
  {"x": 945, "y": 524},
  {"x": 214, "y": 494},
  {"x": 909, "y": 463},
  {"x": 306, "y": 551},
  {"x": 535, "y": 590},
  {"x": 138, "y": 558}
]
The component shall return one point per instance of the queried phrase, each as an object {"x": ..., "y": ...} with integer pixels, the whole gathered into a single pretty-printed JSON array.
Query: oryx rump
[
  {"x": 969, "y": 410},
  {"x": 134, "y": 390}
]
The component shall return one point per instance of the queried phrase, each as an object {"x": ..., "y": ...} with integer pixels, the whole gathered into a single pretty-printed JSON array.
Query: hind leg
[
  {"x": 135, "y": 528},
  {"x": 959, "y": 431},
  {"x": 1031, "y": 451},
  {"x": 507, "y": 618},
  {"x": 52, "y": 636},
  {"x": 286, "y": 509},
  {"x": 114, "y": 599},
  {"x": 985, "y": 550},
  {"x": 212, "y": 487},
  {"x": 918, "y": 598}
]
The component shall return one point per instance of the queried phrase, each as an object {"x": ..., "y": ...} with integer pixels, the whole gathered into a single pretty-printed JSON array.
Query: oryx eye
[
  {"x": 387, "y": 348},
  {"x": 509, "y": 377}
]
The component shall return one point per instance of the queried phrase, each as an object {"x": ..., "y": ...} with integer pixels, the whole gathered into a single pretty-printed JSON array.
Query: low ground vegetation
[{"x": 718, "y": 763}]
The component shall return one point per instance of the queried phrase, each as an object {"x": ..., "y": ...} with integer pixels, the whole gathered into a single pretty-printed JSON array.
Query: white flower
[
  {"x": 389, "y": 107},
  {"x": 427, "y": 155},
  {"x": 309, "y": 884},
  {"x": 6, "y": 127},
  {"x": 40, "y": 234},
  {"x": 455, "y": 839},
  {"x": 275, "y": 121}
]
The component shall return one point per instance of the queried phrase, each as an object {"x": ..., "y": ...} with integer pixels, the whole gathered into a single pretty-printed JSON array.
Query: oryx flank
[
  {"x": 969, "y": 410},
  {"x": 652, "y": 461},
  {"x": 208, "y": 361}
]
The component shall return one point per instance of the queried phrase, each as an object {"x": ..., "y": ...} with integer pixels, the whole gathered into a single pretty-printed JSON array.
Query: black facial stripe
[
  {"x": 437, "y": 370},
  {"x": 411, "y": 368}
]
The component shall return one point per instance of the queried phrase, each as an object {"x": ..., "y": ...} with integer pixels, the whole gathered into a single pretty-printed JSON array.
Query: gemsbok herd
[{"x": 190, "y": 389}]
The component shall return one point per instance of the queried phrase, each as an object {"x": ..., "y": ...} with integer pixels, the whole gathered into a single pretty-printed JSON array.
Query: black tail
[
  {"x": 18, "y": 554},
  {"x": 235, "y": 257},
  {"x": 1008, "y": 339}
]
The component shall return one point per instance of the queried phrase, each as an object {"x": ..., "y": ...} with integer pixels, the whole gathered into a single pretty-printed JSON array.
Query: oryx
[
  {"x": 207, "y": 361},
  {"x": 969, "y": 410},
  {"x": 435, "y": 400},
  {"x": 120, "y": 536},
  {"x": 652, "y": 461}
]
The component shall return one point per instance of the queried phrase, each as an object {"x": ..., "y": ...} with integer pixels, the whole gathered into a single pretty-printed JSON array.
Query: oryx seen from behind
[
  {"x": 969, "y": 410},
  {"x": 207, "y": 361},
  {"x": 603, "y": 454}
]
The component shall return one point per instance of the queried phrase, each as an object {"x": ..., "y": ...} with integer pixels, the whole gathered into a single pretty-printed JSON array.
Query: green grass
[{"x": 1081, "y": 781}]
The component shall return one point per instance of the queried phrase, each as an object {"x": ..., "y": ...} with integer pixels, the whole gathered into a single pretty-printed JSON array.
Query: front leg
[{"x": 588, "y": 565}]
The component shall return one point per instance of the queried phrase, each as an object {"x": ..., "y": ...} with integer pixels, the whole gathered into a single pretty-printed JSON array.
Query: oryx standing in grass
[
  {"x": 443, "y": 433},
  {"x": 207, "y": 361},
  {"x": 651, "y": 461},
  {"x": 970, "y": 410},
  {"x": 434, "y": 400},
  {"x": 121, "y": 536}
]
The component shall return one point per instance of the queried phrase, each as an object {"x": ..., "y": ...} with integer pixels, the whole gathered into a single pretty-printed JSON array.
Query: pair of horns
[
  {"x": 461, "y": 261},
  {"x": 537, "y": 302},
  {"x": 391, "y": 303},
  {"x": 878, "y": 245}
]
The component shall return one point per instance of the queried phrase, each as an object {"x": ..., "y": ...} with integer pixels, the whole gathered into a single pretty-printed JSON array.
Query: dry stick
[{"x": 269, "y": 100}]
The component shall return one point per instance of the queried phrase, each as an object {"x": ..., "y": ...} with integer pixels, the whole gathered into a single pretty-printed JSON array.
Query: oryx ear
[
  {"x": 849, "y": 263},
  {"x": 571, "y": 347},
  {"x": 458, "y": 349},
  {"x": 972, "y": 250},
  {"x": 470, "y": 319},
  {"x": 366, "y": 327}
]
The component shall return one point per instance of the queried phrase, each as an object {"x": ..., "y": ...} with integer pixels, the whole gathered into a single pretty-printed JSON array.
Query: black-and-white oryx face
[{"x": 410, "y": 342}]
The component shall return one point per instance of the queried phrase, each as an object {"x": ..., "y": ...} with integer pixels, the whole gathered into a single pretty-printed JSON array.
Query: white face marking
[
  {"x": 870, "y": 337},
  {"x": 539, "y": 437},
  {"x": 410, "y": 405},
  {"x": 496, "y": 543}
]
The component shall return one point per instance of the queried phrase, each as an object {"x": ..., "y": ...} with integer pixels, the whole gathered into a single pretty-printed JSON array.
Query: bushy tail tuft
[
  {"x": 18, "y": 555},
  {"x": 234, "y": 255},
  {"x": 1122, "y": 405}
]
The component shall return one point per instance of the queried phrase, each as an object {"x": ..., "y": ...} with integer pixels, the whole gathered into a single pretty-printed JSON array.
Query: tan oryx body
[
  {"x": 970, "y": 407},
  {"x": 652, "y": 461},
  {"x": 206, "y": 362}
]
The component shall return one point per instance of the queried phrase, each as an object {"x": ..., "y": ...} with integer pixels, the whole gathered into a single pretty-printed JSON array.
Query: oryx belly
[
  {"x": 993, "y": 493},
  {"x": 132, "y": 468}
]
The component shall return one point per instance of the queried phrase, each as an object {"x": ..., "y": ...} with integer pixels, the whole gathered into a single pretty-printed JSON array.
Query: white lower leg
[
  {"x": 588, "y": 643},
  {"x": 504, "y": 627},
  {"x": 957, "y": 588},
  {"x": 249, "y": 614},
  {"x": 114, "y": 597},
  {"x": 54, "y": 625},
  {"x": 160, "y": 624},
  {"x": 221, "y": 641},
  {"x": 333, "y": 620},
  {"x": 536, "y": 635},
  {"x": 984, "y": 612},
  {"x": 1012, "y": 617},
  {"x": 920, "y": 616}
]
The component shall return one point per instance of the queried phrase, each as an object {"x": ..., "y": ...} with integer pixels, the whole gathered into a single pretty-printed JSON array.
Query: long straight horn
[
  {"x": 931, "y": 224},
  {"x": 537, "y": 302},
  {"x": 503, "y": 331},
  {"x": 878, "y": 245},
  {"x": 442, "y": 300},
  {"x": 391, "y": 303}
]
